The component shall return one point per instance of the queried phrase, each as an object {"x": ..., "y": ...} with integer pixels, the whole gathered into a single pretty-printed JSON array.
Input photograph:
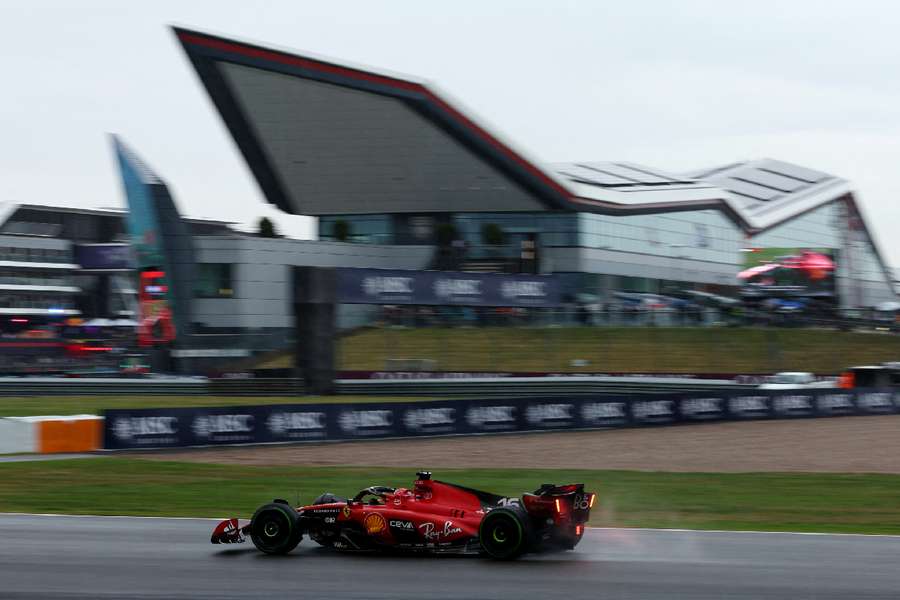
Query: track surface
[{"x": 103, "y": 557}]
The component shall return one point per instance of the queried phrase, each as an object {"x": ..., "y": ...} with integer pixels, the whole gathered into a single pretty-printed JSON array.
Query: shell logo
[{"x": 374, "y": 523}]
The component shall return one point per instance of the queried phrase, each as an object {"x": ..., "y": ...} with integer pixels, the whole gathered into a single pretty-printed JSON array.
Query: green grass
[
  {"x": 23, "y": 406},
  {"x": 615, "y": 349},
  {"x": 755, "y": 501}
]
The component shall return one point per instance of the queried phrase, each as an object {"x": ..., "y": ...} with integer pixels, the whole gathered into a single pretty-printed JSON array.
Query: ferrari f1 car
[{"x": 433, "y": 517}]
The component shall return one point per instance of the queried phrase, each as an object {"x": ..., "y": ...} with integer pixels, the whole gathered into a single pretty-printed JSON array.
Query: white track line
[
  {"x": 25, "y": 514},
  {"x": 674, "y": 530},
  {"x": 663, "y": 529}
]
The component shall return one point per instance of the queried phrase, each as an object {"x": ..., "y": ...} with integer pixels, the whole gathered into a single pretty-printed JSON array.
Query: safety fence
[
  {"x": 181, "y": 427},
  {"x": 394, "y": 383}
]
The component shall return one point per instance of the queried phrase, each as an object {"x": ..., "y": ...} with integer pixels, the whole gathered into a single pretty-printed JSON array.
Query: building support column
[{"x": 315, "y": 293}]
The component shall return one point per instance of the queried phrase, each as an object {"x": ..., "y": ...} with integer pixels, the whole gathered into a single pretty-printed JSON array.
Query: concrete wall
[
  {"x": 24, "y": 241},
  {"x": 262, "y": 274}
]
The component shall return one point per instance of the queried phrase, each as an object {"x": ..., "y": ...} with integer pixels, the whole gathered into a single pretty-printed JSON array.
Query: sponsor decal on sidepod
[
  {"x": 374, "y": 523},
  {"x": 430, "y": 533}
]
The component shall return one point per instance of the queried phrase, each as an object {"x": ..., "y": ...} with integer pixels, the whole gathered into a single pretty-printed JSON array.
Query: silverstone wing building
[
  {"x": 400, "y": 177},
  {"x": 389, "y": 160}
]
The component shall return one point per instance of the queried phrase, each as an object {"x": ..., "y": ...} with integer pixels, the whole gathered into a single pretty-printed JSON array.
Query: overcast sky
[{"x": 675, "y": 85}]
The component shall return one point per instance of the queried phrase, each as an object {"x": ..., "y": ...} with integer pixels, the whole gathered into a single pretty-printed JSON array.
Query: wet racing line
[{"x": 125, "y": 557}]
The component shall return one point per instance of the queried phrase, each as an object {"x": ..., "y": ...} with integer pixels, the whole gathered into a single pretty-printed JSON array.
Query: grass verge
[
  {"x": 752, "y": 501},
  {"x": 612, "y": 349},
  {"x": 25, "y": 406}
]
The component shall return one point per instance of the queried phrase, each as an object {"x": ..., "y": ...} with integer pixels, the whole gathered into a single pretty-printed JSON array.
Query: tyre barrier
[
  {"x": 50, "y": 434},
  {"x": 282, "y": 423}
]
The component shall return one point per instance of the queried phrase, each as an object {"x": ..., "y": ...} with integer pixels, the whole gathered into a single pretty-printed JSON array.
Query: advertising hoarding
[{"x": 788, "y": 272}]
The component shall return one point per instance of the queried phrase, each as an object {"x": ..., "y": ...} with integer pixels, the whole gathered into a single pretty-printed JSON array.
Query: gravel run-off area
[{"x": 833, "y": 445}]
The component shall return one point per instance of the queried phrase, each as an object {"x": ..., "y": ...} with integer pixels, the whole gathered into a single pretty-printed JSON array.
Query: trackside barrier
[
  {"x": 17, "y": 435},
  {"x": 275, "y": 386},
  {"x": 180, "y": 427},
  {"x": 50, "y": 434}
]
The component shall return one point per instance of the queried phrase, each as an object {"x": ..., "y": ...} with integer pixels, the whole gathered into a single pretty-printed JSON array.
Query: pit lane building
[{"x": 388, "y": 160}]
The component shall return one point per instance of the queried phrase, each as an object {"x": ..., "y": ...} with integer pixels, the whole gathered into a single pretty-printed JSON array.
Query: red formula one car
[{"x": 433, "y": 517}]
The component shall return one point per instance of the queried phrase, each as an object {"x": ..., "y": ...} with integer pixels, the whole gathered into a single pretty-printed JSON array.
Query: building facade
[
  {"x": 387, "y": 159},
  {"x": 400, "y": 177}
]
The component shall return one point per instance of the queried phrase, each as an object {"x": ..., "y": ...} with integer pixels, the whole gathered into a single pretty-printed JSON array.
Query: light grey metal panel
[
  {"x": 772, "y": 180},
  {"x": 217, "y": 255},
  {"x": 792, "y": 170},
  {"x": 625, "y": 171},
  {"x": 343, "y": 151},
  {"x": 757, "y": 192},
  {"x": 645, "y": 171},
  {"x": 261, "y": 272},
  {"x": 19, "y": 241},
  {"x": 595, "y": 174},
  {"x": 263, "y": 290},
  {"x": 267, "y": 306},
  {"x": 608, "y": 170},
  {"x": 612, "y": 262}
]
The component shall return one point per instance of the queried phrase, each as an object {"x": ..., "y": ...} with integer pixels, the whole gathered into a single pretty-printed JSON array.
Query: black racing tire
[
  {"x": 275, "y": 528},
  {"x": 504, "y": 533}
]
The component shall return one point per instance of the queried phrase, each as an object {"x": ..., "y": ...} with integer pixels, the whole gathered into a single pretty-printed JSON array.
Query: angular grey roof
[
  {"x": 620, "y": 175},
  {"x": 323, "y": 136},
  {"x": 768, "y": 191}
]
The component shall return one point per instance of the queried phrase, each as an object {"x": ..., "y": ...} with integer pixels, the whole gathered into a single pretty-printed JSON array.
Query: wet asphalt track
[{"x": 103, "y": 557}]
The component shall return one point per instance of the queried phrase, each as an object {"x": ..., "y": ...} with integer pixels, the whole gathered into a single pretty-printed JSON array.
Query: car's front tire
[{"x": 275, "y": 529}]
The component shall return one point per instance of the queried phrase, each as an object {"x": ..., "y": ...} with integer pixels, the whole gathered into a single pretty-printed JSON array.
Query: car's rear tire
[
  {"x": 275, "y": 529},
  {"x": 504, "y": 533}
]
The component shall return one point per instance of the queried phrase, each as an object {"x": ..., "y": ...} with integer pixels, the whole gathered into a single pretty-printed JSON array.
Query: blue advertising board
[
  {"x": 446, "y": 288},
  {"x": 179, "y": 427}
]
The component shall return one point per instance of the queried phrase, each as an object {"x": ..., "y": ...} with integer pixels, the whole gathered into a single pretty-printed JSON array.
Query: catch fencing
[{"x": 181, "y": 427}]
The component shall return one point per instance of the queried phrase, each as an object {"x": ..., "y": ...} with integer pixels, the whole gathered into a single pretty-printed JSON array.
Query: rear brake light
[
  {"x": 591, "y": 503},
  {"x": 557, "y": 505},
  {"x": 578, "y": 529}
]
